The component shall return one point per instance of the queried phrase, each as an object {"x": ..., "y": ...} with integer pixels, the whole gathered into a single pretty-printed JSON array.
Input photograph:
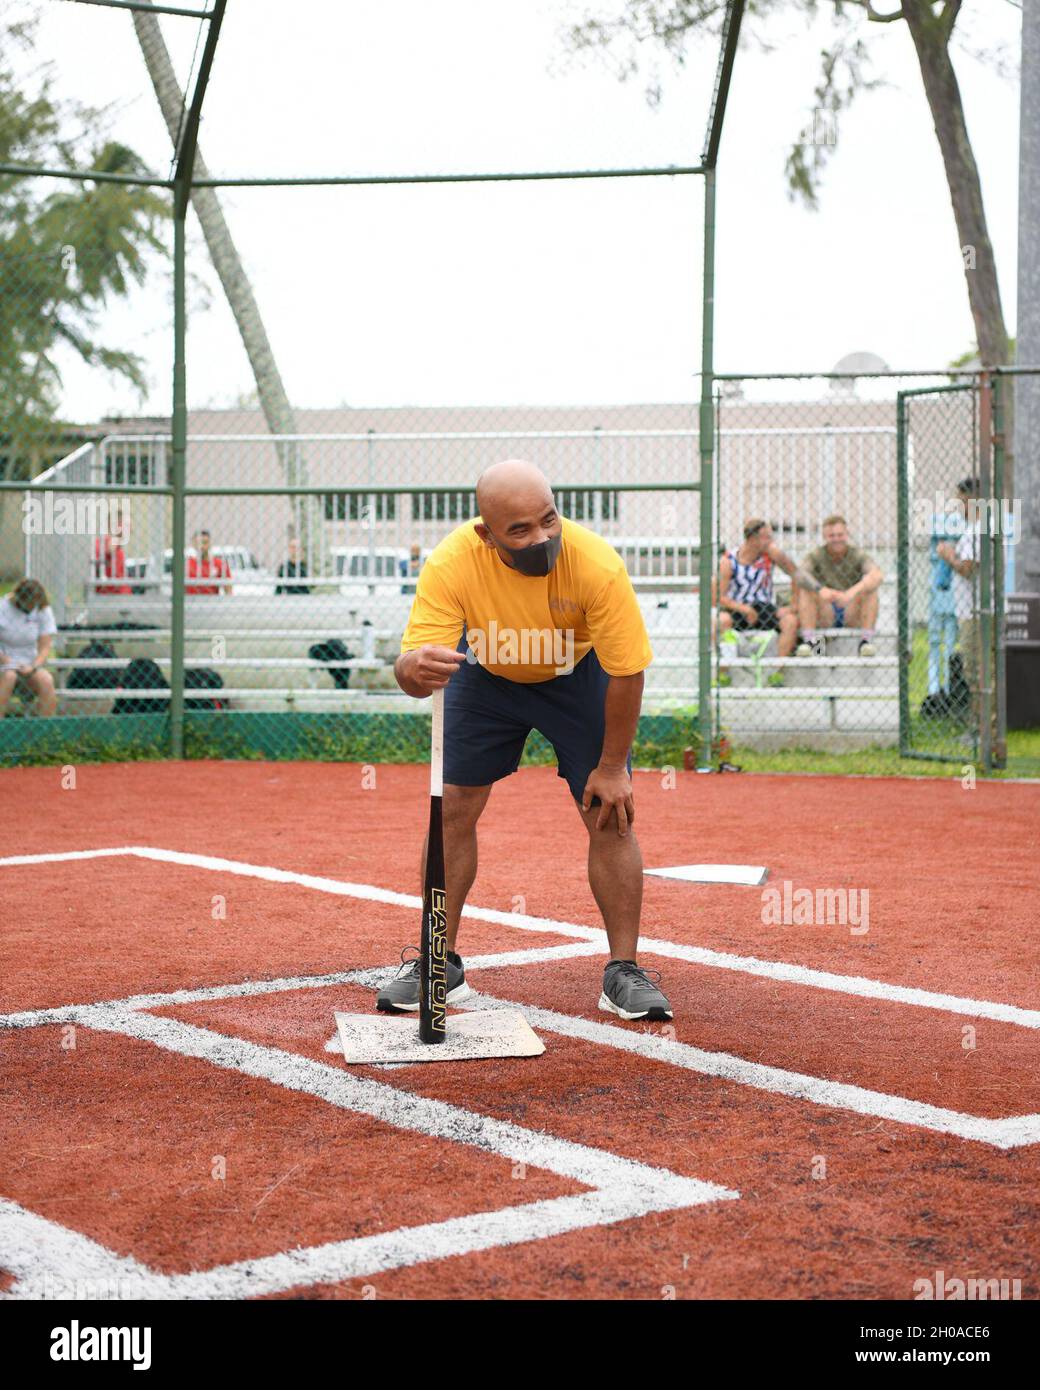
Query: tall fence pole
[
  {"x": 903, "y": 639},
  {"x": 985, "y": 573},
  {"x": 187, "y": 147},
  {"x": 179, "y": 432},
  {"x": 999, "y": 561},
  {"x": 1025, "y": 427},
  {"x": 706, "y": 556}
]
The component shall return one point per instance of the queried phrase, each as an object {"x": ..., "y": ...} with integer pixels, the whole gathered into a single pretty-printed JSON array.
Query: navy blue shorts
[{"x": 487, "y": 719}]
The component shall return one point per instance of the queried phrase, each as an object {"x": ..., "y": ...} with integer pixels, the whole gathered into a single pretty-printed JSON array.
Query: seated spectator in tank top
[{"x": 744, "y": 589}]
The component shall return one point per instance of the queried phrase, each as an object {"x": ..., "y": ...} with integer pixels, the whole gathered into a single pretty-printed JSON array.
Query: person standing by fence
[{"x": 963, "y": 559}]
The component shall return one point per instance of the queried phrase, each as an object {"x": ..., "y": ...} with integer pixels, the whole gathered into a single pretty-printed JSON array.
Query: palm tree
[
  {"x": 65, "y": 254},
  {"x": 273, "y": 398}
]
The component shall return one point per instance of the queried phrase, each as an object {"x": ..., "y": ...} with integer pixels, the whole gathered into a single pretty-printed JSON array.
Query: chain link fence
[
  {"x": 862, "y": 540},
  {"x": 296, "y": 594},
  {"x": 940, "y": 614},
  {"x": 299, "y": 532},
  {"x": 255, "y": 562},
  {"x": 301, "y": 555},
  {"x": 65, "y": 506}
]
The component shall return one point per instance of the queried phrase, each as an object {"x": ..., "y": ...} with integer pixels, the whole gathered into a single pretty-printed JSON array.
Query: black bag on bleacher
[
  {"x": 202, "y": 678},
  {"x": 333, "y": 650},
  {"x": 141, "y": 674},
  {"x": 94, "y": 677}
]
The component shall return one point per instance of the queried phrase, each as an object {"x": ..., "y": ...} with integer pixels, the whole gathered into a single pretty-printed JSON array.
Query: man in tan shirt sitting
[{"x": 848, "y": 594}]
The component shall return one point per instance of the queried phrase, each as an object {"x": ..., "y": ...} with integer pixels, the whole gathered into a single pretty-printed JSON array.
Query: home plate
[
  {"x": 479, "y": 1033},
  {"x": 748, "y": 875}
]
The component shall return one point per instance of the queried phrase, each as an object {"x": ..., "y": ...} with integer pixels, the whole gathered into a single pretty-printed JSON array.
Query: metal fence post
[
  {"x": 903, "y": 648},
  {"x": 187, "y": 147},
  {"x": 985, "y": 573},
  {"x": 179, "y": 432},
  {"x": 705, "y": 557},
  {"x": 999, "y": 560}
]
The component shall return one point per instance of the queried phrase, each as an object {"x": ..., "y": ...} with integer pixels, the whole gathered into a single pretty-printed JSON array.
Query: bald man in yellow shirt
[{"x": 529, "y": 621}]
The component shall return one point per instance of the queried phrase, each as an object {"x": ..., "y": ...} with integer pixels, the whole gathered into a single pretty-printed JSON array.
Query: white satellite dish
[{"x": 856, "y": 364}]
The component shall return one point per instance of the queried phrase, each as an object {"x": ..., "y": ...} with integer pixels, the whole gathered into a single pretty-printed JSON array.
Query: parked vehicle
[
  {"x": 248, "y": 576},
  {"x": 367, "y": 570}
]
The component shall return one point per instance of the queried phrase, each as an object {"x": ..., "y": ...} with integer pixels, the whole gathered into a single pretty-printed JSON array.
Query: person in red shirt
[
  {"x": 203, "y": 565},
  {"x": 110, "y": 563}
]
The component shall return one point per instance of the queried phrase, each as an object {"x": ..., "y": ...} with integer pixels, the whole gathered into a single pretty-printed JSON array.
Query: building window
[
  {"x": 128, "y": 468},
  {"x": 444, "y": 506},
  {"x": 360, "y": 506},
  {"x": 589, "y": 504}
]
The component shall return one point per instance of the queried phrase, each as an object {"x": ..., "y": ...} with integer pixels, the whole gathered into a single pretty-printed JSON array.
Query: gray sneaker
[
  {"x": 629, "y": 992},
  {"x": 401, "y": 995}
]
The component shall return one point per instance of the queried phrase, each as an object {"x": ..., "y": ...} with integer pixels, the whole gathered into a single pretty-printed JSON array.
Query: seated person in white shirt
[{"x": 27, "y": 628}]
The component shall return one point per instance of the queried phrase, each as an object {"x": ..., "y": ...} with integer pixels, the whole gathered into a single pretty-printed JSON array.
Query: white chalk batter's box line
[
  {"x": 1011, "y": 1132},
  {"x": 49, "y": 1261},
  {"x": 698, "y": 955}
]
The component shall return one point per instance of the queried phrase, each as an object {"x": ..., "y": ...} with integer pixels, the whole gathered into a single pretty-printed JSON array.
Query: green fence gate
[{"x": 952, "y": 521}]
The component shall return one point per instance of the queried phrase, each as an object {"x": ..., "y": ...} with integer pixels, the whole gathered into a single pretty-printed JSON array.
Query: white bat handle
[{"x": 437, "y": 745}]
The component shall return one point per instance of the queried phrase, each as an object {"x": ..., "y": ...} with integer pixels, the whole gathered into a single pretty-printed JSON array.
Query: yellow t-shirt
[{"x": 530, "y": 627}]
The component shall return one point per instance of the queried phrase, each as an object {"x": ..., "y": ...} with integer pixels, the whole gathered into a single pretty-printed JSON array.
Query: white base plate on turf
[
  {"x": 747, "y": 875},
  {"x": 376, "y": 1038}
]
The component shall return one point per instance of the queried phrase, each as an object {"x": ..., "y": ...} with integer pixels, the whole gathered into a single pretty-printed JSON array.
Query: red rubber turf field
[{"x": 116, "y": 1139}]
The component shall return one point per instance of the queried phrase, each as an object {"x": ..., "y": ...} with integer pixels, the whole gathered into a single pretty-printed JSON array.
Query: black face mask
[{"x": 536, "y": 560}]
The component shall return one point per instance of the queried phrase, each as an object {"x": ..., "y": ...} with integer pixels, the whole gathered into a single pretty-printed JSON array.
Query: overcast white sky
[{"x": 509, "y": 293}]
